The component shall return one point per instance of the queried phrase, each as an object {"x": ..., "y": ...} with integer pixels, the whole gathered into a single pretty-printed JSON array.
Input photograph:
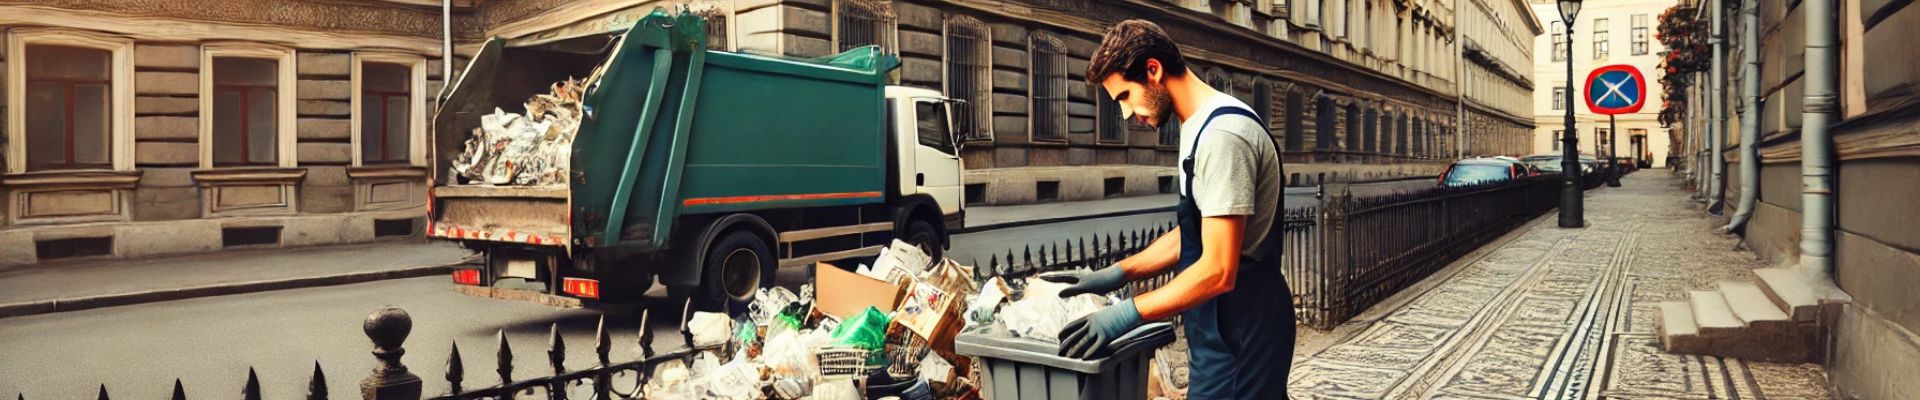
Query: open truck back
[{"x": 704, "y": 169}]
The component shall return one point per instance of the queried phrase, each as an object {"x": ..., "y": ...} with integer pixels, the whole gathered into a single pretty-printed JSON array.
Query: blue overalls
[{"x": 1241, "y": 342}]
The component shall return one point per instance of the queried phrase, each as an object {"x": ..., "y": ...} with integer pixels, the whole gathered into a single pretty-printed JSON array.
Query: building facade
[
  {"x": 1875, "y": 250},
  {"x": 1628, "y": 23},
  {"x": 138, "y": 128},
  {"x": 1499, "y": 37},
  {"x": 1348, "y": 87}
]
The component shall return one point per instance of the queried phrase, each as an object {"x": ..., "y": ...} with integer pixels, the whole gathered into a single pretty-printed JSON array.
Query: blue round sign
[{"x": 1616, "y": 89}]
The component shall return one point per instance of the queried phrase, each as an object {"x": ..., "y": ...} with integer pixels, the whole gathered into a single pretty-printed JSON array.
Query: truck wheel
[
  {"x": 737, "y": 266},
  {"x": 920, "y": 233}
]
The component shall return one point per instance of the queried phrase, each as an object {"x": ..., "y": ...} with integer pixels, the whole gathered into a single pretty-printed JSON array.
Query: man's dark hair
[{"x": 1126, "y": 49}]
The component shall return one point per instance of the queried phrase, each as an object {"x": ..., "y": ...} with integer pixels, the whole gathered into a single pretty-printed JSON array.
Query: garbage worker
[{"x": 1228, "y": 288}]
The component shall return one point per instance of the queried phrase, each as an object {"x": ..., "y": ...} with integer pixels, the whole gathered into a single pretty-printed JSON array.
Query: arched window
[{"x": 968, "y": 77}]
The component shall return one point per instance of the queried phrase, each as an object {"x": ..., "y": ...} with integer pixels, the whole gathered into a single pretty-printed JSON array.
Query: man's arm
[
  {"x": 1211, "y": 276},
  {"x": 1156, "y": 258}
]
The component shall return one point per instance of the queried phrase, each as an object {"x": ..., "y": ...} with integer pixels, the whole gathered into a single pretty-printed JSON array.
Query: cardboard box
[{"x": 841, "y": 293}]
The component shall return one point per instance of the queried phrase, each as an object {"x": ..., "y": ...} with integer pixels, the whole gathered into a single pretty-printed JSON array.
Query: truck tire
[
  {"x": 922, "y": 234},
  {"x": 737, "y": 266}
]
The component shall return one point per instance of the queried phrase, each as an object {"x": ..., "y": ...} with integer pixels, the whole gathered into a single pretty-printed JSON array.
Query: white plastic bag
[{"x": 709, "y": 329}]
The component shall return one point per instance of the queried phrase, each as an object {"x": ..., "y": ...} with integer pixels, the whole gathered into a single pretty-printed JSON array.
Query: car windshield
[{"x": 1464, "y": 175}]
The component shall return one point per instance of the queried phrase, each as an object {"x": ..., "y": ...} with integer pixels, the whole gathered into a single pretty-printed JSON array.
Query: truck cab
[
  {"x": 920, "y": 123},
  {"x": 700, "y": 170}
]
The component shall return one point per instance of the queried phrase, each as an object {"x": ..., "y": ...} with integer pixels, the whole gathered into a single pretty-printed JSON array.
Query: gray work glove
[
  {"x": 1099, "y": 281},
  {"x": 1089, "y": 336}
]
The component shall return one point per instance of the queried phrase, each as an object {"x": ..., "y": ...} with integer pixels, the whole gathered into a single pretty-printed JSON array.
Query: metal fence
[{"x": 1340, "y": 257}]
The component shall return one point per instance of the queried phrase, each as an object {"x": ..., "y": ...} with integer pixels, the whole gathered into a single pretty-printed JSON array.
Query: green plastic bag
[{"x": 866, "y": 330}]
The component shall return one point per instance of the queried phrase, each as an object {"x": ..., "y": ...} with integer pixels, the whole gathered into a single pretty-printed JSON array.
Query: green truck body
[{"x": 678, "y": 145}]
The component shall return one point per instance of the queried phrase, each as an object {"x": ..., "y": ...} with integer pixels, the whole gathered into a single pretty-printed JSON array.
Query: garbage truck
[{"x": 702, "y": 170}]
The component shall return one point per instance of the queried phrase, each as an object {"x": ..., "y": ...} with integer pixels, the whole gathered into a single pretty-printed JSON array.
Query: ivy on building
[{"x": 1686, "y": 40}]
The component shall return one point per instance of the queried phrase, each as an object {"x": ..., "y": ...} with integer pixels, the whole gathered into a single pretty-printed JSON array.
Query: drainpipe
[
  {"x": 446, "y": 41},
  {"x": 1716, "y": 145},
  {"x": 1749, "y": 116},
  {"x": 1816, "y": 144},
  {"x": 1459, "y": 88}
]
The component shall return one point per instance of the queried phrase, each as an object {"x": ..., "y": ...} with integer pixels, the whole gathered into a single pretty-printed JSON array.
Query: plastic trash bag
[
  {"x": 866, "y": 330},
  {"x": 1041, "y": 313},
  {"x": 709, "y": 329}
]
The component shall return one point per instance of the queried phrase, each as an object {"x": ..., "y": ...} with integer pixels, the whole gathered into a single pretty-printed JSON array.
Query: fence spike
[
  {"x": 179, "y": 391},
  {"x": 103, "y": 391},
  {"x": 317, "y": 386},
  {"x": 505, "y": 360},
  {"x": 975, "y": 263},
  {"x": 1085, "y": 261},
  {"x": 1010, "y": 266},
  {"x": 1044, "y": 261},
  {"x": 601, "y": 345},
  {"x": 252, "y": 390},
  {"x": 1056, "y": 254},
  {"x": 993, "y": 264},
  {"x": 1026, "y": 257},
  {"x": 646, "y": 336},
  {"x": 455, "y": 371},
  {"x": 557, "y": 350}
]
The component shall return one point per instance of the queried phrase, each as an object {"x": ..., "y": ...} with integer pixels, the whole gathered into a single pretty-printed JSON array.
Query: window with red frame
[
  {"x": 385, "y": 113},
  {"x": 245, "y": 111},
  {"x": 69, "y": 107}
]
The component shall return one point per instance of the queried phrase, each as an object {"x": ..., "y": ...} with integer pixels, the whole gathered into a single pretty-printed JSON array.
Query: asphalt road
[{"x": 209, "y": 343}]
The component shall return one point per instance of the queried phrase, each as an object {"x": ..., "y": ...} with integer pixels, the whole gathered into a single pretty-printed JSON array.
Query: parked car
[
  {"x": 1481, "y": 171},
  {"x": 1550, "y": 163}
]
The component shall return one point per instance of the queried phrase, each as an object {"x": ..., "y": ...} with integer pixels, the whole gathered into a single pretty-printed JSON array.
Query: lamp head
[{"x": 1569, "y": 9}]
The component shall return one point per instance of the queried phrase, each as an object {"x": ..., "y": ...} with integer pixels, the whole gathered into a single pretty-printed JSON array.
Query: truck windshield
[{"x": 932, "y": 126}]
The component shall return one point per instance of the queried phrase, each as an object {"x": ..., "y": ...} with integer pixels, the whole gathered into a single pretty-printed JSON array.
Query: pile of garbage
[
  {"x": 876, "y": 331},
  {"x": 530, "y": 149}
]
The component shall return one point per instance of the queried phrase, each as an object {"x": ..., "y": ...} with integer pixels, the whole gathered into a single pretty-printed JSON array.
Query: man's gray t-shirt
[{"x": 1235, "y": 171}]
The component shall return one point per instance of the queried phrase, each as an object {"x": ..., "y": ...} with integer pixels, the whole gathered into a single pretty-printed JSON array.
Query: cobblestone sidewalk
[{"x": 1559, "y": 314}]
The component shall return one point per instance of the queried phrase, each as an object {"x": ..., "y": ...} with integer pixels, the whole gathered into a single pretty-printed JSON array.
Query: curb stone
[{"x": 122, "y": 299}]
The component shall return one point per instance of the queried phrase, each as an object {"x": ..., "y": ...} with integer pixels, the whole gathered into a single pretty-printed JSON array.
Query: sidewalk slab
[
  {"x": 1558, "y": 313},
  {"x": 116, "y": 277}
]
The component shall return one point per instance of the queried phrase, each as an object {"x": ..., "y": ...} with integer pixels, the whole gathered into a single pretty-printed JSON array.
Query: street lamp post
[{"x": 1572, "y": 211}]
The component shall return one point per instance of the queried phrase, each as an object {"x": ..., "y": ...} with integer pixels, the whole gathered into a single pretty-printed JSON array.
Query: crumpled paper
[
  {"x": 531, "y": 149},
  {"x": 1041, "y": 313}
]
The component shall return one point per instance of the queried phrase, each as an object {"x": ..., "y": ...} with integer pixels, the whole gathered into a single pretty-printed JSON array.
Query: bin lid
[{"x": 992, "y": 342}]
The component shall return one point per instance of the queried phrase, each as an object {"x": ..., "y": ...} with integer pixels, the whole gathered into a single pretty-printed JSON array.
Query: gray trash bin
[{"x": 1027, "y": 369}]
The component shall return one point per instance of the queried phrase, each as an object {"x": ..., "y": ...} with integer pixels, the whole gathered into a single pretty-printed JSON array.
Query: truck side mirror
[{"x": 953, "y": 137}]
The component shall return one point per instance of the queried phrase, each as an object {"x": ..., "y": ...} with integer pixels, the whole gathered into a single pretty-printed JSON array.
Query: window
[
  {"x": 1599, "y": 38},
  {"x": 388, "y": 119},
  {"x": 245, "y": 103},
  {"x": 69, "y": 107},
  {"x": 863, "y": 23},
  {"x": 1559, "y": 97},
  {"x": 1170, "y": 131},
  {"x": 931, "y": 124},
  {"x": 1559, "y": 42},
  {"x": 1049, "y": 87},
  {"x": 968, "y": 77},
  {"x": 1557, "y": 133},
  {"x": 717, "y": 33},
  {"x": 1296, "y": 126},
  {"x": 1639, "y": 34},
  {"x": 1113, "y": 129},
  {"x": 1263, "y": 100}
]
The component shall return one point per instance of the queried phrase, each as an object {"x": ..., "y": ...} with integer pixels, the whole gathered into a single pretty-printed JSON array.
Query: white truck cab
[{"x": 929, "y": 163}]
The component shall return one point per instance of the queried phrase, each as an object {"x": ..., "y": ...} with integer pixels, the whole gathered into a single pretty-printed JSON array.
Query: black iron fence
[{"x": 1343, "y": 255}]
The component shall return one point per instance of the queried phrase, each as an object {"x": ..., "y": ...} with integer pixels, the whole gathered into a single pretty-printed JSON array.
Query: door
[{"x": 936, "y": 164}]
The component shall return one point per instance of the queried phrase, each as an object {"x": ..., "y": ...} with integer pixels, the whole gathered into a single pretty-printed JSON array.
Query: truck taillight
[
  {"x": 466, "y": 276},
  {"x": 584, "y": 288}
]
